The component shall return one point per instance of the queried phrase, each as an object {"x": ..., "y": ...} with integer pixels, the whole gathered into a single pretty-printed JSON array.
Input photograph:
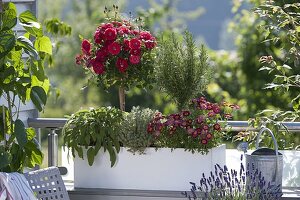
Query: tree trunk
[{"x": 122, "y": 98}]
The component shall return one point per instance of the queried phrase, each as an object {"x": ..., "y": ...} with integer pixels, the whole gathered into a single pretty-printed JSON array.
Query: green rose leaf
[
  {"x": 20, "y": 133},
  {"x": 91, "y": 155},
  {"x": 9, "y": 17},
  {"x": 38, "y": 97},
  {"x": 43, "y": 44}
]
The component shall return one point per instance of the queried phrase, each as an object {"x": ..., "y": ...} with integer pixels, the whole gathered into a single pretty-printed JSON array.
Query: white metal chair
[{"x": 47, "y": 184}]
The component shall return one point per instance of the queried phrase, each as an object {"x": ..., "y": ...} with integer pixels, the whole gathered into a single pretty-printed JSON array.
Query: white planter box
[{"x": 156, "y": 170}]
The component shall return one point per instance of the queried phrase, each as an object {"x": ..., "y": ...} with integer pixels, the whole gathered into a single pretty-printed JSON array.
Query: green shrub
[{"x": 133, "y": 130}]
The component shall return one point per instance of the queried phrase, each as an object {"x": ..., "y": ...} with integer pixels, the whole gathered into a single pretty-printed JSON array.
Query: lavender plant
[{"x": 230, "y": 184}]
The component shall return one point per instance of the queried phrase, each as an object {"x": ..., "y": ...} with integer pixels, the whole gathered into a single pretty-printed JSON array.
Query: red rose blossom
[
  {"x": 110, "y": 34},
  {"x": 135, "y": 44},
  {"x": 114, "y": 48},
  {"x": 123, "y": 30},
  {"x": 98, "y": 36},
  {"x": 122, "y": 64},
  {"x": 105, "y": 26},
  {"x": 145, "y": 35},
  {"x": 135, "y": 52},
  {"x": 150, "y": 44},
  {"x": 79, "y": 58},
  {"x": 134, "y": 59},
  {"x": 126, "y": 45},
  {"x": 98, "y": 67},
  {"x": 86, "y": 47}
]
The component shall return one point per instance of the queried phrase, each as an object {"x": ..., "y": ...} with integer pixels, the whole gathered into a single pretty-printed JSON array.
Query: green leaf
[
  {"x": 79, "y": 151},
  {"x": 34, "y": 154},
  {"x": 20, "y": 133},
  {"x": 27, "y": 44},
  {"x": 286, "y": 66},
  {"x": 9, "y": 17},
  {"x": 30, "y": 24},
  {"x": 91, "y": 155},
  {"x": 27, "y": 16},
  {"x": 7, "y": 43},
  {"x": 38, "y": 97},
  {"x": 4, "y": 160},
  {"x": 43, "y": 44},
  {"x": 30, "y": 133},
  {"x": 112, "y": 154},
  {"x": 265, "y": 68}
]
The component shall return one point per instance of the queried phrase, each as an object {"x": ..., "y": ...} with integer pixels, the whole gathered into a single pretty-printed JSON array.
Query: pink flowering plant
[
  {"x": 198, "y": 128},
  {"x": 121, "y": 53}
]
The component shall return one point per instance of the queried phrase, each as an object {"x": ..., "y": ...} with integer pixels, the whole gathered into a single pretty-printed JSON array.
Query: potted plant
[
  {"x": 121, "y": 53},
  {"x": 225, "y": 183},
  {"x": 22, "y": 79},
  {"x": 87, "y": 131},
  {"x": 183, "y": 72}
]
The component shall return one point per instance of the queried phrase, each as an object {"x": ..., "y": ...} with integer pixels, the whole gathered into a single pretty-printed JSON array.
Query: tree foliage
[{"x": 23, "y": 78}]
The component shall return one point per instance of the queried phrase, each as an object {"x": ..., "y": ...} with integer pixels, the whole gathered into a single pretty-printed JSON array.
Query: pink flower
[
  {"x": 217, "y": 127},
  {"x": 110, "y": 34},
  {"x": 135, "y": 44},
  {"x": 200, "y": 119},
  {"x": 149, "y": 128},
  {"x": 205, "y": 127},
  {"x": 209, "y": 106},
  {"x": 216, "y": 109},
  {"x": 209, "y": 136},
  {"x": 227, "y": 116},
  {"x": 203, "y": 141},
  {"x": 211, "y": 114},
  {"x": 86, "y": 47},
  {"x": 134, "y": 59},
  {"x": 114, "y": 48},
  {"x": 122, "y": 64},
  {"x": 194, "y": 134},
  {"x": 186, "y": 113}
]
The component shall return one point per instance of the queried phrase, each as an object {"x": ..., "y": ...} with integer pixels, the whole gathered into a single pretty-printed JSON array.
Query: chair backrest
[{"x": 47, "y": 184}]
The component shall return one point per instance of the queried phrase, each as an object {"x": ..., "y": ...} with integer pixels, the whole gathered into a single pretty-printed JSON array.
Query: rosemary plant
[{"x": 182, "y": 68}]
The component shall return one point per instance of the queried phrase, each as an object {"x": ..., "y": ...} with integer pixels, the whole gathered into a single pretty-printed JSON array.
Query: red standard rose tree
[{"x": 121, "y": 53}]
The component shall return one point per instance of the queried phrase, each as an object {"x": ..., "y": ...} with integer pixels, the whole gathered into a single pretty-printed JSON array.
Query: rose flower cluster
[
  {"x": 117, "y": 45},
  {"x": 203, "y": 122}
]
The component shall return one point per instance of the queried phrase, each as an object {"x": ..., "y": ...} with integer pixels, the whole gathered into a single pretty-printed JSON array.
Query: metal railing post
[{"x": 52, "y": 148}]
